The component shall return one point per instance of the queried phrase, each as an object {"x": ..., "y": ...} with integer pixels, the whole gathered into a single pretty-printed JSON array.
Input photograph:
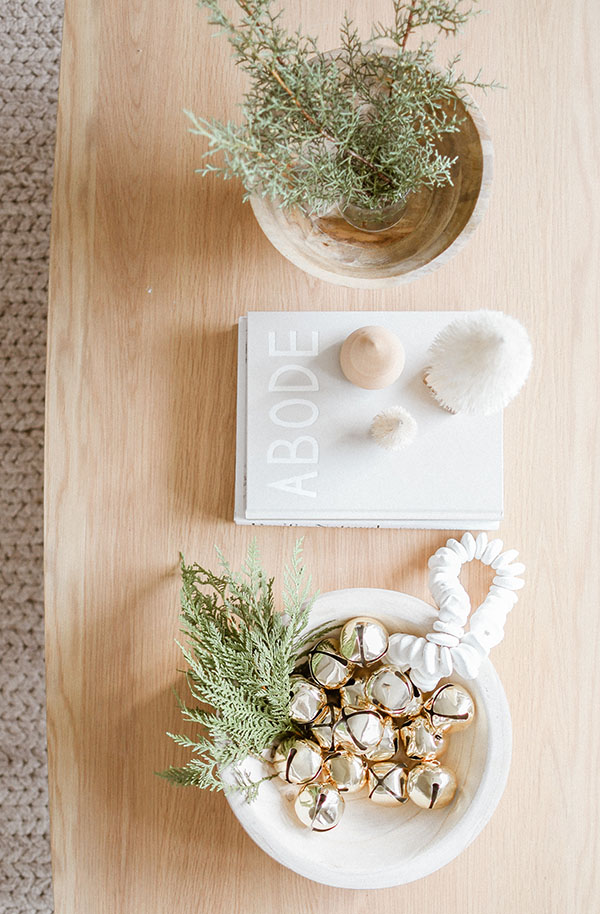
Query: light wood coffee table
[{"x": 151, "y": 266}]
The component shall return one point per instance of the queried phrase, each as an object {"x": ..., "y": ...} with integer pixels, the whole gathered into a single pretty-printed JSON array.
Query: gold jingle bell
[
  {"x": 354, "y": 694},
  {"x": 306, "y": 701},
  {"x": 450, "y": 707},
  {"x": 347, "y": 771},
  {"x": 328, "y": 667},
  {"x": 323, "y": 727},
  {"x": 387, "y": 746},
  {"x": 387, "y": 783},
  {"x": 319, "y": 806},
  {"x": 431, "y": 785},
  {"x": 358, "y": 729},
  {"x": 393, "y": 692},
  {"x": 298, "y": 761},
  {"x": 363, "y": 640},
  {"x": 420, "y": 739}
]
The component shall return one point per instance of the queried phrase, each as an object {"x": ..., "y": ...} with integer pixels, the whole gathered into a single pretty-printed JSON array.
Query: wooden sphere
[{"x": 372, "y": 357}]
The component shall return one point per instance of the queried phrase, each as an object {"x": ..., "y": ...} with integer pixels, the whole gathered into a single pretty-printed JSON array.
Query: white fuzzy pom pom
[
  {"x": 394, "y": 428},
  {"x": 477, "y": 364}
]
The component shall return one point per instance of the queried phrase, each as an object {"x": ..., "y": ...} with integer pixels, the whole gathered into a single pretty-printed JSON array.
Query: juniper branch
[
  {"x": 361, "y": 125},
  {"x": 240, "y": 653}
]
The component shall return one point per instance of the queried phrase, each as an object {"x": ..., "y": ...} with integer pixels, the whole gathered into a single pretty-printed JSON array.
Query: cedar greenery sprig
[
  {"x": 361, "y": 126},
  {"x": 241, "y": 652}
]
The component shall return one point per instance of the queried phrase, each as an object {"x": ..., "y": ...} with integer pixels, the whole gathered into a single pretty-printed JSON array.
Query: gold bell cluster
[{"x": 363, "y": 723}]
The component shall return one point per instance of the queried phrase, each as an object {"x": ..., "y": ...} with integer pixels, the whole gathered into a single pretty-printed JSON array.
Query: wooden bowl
[
  {"x": 373, "y": 846},
  {"x": 435, "y": 225}
]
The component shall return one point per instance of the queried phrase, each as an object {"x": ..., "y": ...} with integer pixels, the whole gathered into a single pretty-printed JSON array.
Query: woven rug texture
[{"x": 29, "y": 60}]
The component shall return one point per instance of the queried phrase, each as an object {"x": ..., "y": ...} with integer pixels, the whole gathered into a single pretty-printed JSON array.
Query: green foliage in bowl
[{"x": 360, "y": 125}]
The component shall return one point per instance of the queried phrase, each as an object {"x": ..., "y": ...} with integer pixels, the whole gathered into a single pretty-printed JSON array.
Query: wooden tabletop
[{"x": 151, "y": 267}]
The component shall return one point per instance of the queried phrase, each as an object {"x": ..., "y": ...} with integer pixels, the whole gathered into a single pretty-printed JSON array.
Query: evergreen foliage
[
  {"x": 240, "y": 652},
  {"x": 360, "y": 126}
]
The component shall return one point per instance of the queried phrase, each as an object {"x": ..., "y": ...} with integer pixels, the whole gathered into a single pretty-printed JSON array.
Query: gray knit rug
[{"x": 29, "y": 59}]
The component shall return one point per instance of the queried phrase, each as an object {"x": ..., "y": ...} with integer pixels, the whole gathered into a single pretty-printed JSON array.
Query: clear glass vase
[{"x": 372, "y": 220}]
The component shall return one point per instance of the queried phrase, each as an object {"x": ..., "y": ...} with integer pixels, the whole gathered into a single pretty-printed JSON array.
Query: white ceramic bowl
[{"x": 374, "y": 846}]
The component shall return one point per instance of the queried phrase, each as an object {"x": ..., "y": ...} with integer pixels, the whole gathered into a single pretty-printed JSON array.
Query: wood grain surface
[{"x": 151, "y": 266}]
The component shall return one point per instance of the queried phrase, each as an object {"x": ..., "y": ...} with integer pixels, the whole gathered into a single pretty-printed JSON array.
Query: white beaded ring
[{"x": 448, "y": 648}]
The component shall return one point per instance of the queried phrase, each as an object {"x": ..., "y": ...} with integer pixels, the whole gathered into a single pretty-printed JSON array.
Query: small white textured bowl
[{"x": 376, "y": 847}]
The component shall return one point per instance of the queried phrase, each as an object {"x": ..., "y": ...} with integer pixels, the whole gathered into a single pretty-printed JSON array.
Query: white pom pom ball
[
  {"x": 477, "y": 364},
  {"x": 394, "y": 428}
]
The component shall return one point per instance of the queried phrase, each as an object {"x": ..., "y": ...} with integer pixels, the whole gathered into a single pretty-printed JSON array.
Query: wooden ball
[{"x": 372, "y": 358}]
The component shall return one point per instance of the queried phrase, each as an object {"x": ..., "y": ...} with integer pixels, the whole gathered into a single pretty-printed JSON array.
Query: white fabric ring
[{"x": 448, "y": 648}]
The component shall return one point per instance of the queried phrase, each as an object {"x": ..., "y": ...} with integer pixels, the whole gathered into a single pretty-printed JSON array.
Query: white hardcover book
[{"x": 304, "y": 453}]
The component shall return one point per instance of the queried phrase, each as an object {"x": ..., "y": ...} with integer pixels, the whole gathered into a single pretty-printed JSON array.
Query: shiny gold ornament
[
  {"x": 319, "y": 806},
  {"x": 430, "y": 785},
  {"x": 363, "y": 640},
  {"x": 347, "y": 771},
  {"x": 358, "y": 729},
  {"x": 323, "y": 727},
  {"x": 393, "y": 692},
  {"x": 387, "y": 783},
  {"x": 388, "y": 745},
  {"x": 298, "y": 761},
  {"x": 450, "y": 707},
  {"x": 306, "y": 701},
  {"x": 420, "y": 738},
  {"x": 354, "y": 695},
  {"x": 328, "y": 667}
]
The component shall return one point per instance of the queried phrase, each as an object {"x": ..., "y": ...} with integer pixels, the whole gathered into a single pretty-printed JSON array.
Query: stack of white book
[{"x": 304, "y": 454}]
